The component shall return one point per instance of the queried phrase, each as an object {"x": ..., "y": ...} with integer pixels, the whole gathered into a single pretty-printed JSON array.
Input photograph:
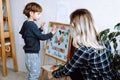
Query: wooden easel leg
[
  {"x": 4, "y": 66},
  {"x": 42, "y": 76}
]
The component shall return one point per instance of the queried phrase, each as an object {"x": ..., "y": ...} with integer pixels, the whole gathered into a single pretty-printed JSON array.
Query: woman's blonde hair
[{"x": 83, "y": 30}]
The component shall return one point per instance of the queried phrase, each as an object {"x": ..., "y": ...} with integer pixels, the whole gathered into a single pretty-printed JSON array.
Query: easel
[
  {"x": 46, "y": 66},
  {"x": 7, "y": 47}
]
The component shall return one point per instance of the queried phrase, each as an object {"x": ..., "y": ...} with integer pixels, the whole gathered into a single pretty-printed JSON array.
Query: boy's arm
[{"x": 37, "y": 33}]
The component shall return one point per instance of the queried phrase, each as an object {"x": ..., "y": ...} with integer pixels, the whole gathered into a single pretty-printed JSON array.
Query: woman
[{"x": 92, "y": 56}]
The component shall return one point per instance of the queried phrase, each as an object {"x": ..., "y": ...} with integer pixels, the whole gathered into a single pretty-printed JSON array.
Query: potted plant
[{"x": 113, "y": 37}]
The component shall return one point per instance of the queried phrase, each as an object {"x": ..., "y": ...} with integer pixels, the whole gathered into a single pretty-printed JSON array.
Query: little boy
[{"x": 32, "y": 36}]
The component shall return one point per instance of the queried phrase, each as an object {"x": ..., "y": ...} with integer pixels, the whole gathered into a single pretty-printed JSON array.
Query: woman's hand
[{"x": 50, "y": 76}]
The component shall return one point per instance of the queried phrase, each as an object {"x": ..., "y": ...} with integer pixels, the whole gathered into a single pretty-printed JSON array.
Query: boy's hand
[
  {"x": 50, "y": 75},
  {"x": 54, "y": 29},
  {"x": 42, "y": 25}
]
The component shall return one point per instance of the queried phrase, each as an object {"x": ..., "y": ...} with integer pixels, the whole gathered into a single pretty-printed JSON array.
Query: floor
[
  {"x": 15, "y": 75},
  {"x": 12, "y": 75},
  {"x": 18, "y": 75}
]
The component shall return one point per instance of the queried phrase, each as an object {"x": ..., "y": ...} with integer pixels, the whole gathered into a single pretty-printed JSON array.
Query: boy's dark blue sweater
[{"x": 32, "y": 36}]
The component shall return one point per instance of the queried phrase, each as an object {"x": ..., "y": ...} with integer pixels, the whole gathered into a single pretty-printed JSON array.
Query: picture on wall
[{"x": 58, "y": 46}]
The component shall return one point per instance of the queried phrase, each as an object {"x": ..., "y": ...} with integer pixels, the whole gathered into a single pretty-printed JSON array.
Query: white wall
[{"x": 105, "y": 14}]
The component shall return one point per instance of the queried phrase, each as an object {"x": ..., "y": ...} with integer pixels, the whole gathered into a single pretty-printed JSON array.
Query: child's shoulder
[{"x": 29, "y": 23}]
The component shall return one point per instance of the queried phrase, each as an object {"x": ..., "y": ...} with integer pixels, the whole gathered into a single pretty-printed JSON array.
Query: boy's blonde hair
[
  {"x": 83, "y": 30},
  {"x": 32, "y": 6}
]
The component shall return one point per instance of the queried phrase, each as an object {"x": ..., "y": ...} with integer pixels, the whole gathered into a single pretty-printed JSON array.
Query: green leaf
[
  {"x": 103, "y": 34},
  {"x": 117, "y": 26},
  {"x": 115, "y": 45},
  {"x": 111, "y": 35},
  {"x": 117, "y": 34},
  {"x": 104, "y": 38},
  {"x": 114, "y": 40}
]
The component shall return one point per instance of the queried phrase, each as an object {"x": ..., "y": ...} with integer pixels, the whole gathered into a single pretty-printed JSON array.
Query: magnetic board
[{"x": 59, "y": 45}]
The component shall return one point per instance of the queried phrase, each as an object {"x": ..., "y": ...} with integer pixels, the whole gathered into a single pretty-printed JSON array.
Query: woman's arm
[{"x": 77, "y": 59}]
